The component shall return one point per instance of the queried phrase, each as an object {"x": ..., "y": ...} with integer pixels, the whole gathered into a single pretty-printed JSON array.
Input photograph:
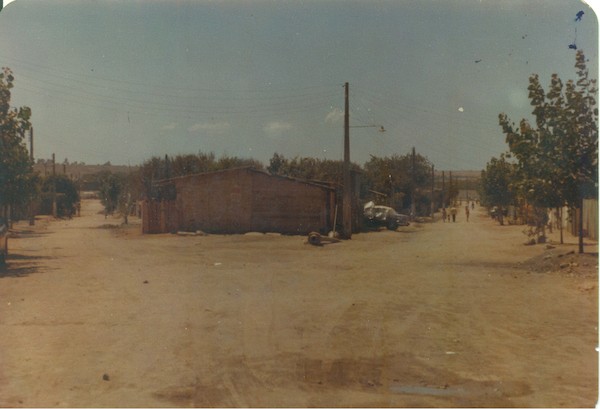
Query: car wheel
[{"x": 392, "y": 226}]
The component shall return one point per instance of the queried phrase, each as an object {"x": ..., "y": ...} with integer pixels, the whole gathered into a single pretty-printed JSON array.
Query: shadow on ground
[
  {"x": 19, "y": 265},
  {"x": 27, "y": 234}
]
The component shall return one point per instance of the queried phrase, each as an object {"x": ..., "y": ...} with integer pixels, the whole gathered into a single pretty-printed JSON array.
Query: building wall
[
  {"x": 243, "y": 200},
  {"x": 215, "y": 202},
  {"x": 287, "y": 206}
]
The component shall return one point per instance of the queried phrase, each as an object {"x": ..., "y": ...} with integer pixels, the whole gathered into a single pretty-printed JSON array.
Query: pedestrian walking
[
  {"x": 453, "y": 213},
  {"x": 467, "y": 212},
  {"x": 444, "y": 214}
]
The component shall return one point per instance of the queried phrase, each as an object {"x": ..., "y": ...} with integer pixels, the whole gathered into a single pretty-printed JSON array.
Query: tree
[
  {"x": 326, "y": 170},
  {"x": 17, "y": 185},
  {"x": 496, "y": 187},
  {"x": 557, "y": 159},
  {"x": 118, "y": 192},
  {"x": 157, "y": 168},
  {"x": 400, "y": 179},
  {"x": 277, "y": 164},
  {"x": 63, "y": 191},
  {"x": 111, "y": 191},
  {"x": 581, "y": 130}
]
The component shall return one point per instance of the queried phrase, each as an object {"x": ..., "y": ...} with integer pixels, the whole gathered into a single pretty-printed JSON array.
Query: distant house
[{"x": 241, "y": 200}]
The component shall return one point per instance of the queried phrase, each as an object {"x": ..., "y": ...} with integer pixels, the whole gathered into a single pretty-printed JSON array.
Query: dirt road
[{"x": 437, "y": 314}]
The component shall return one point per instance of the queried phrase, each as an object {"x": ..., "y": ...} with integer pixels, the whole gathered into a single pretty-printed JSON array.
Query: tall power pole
[
  {"x": 432, "y": 191},
  {"x": 347, "y": 199},
  {"x": 443, "y": 189},
  {"x": 450, "y": 193},
  {"x": 413, "y": 207},
  {"x": 54, "y": 209},
  {"x": 31, "y": 215}
]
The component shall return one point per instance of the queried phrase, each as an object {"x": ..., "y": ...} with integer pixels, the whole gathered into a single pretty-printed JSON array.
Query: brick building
[{"x": 241, "y": 200}]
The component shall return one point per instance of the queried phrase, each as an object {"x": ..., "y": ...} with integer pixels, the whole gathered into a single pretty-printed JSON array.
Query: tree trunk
[
  {"x": 560, "y": 220},
  {"x": 580, "y": 225}
]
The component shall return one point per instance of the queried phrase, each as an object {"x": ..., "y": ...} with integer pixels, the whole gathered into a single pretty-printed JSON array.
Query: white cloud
[
  {"x": 211, "y": 127},
  {"x": 335, "y": 115},
  {"x": 276, "y": 128}
]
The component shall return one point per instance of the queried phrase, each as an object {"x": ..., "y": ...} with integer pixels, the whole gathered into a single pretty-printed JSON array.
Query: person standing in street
[
  {"x": 467, "y": 212},
  {"x": 453, "y": 213},
  {"x": 444, "y": 214}
]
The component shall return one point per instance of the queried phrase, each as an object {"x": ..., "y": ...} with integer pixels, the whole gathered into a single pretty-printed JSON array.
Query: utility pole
[
  {"x": 347, "y": 199},
  {"x": 31, "y": 215},
  {"x": 54, "y": 185},
  {"x": 450, "y": 188},
  {"x": 413, "y": 207},
  {"x": 443, "y": 188},
  {"x": 348, "y": 196},
  {"x": 432, "y": 191}
]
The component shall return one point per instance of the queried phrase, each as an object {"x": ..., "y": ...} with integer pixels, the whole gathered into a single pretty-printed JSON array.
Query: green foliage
[
  {"x": 118, "y": 192},
  {"x": 496, "y": 186},
  {"x": 557, "y": 159},
  {"x": 111, "y": 190},
  {"x": 391, "y": 176},
  {"x": 325, "y": 170},
  {"x": 156, "y": 169},
  {"x": 17, "y": 181},
  {"x": 65, "y": 191},
  {"x": 396, "y": 177}
]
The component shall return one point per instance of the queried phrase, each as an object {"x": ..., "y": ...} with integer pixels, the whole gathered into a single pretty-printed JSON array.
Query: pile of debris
[{"x": 564, "y": 260}]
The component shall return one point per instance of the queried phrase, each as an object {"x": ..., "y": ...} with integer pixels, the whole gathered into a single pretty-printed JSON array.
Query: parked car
[{"x": 378, "y": 215}]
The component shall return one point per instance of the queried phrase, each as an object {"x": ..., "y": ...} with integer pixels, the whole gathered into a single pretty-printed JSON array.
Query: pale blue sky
[{"x": 121, "y": 81}]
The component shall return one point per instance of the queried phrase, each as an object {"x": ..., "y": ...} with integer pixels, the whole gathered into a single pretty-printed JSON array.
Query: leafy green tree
[
  {"x": 118, "y": 192},
  {"x": 325, "y": 170},
  {"x": 401, "y": 180},
  {"x": 16, "y": 172},
  {"x": 277, "y": 164},
  {"x": 581, "y": 131},
  {"x": 157, "y": 168},
  {"x": 230, "y": 162},
  {"x": 61, "y": 189},
  {"x": 557, "y": 159},
  {"x": 192, "y": 164},
  {"x": 111, "y": 191},
  {"x": 496, "y": 187}
]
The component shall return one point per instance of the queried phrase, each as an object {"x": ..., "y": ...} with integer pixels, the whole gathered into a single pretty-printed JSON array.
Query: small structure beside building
[{"x": 241, "y": 200}]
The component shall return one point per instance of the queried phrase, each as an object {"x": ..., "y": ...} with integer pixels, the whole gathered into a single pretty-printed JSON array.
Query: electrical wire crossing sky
[{"x": 123, "y": 81}]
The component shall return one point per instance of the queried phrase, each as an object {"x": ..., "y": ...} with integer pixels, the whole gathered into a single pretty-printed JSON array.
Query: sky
[{"x": 126, "y": 80}]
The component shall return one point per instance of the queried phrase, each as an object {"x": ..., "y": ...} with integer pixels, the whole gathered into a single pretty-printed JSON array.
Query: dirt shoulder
[{"x": 439, "y": 314}]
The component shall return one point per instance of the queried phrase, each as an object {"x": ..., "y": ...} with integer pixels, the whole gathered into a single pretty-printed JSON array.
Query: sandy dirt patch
[{"x": 437, "y": 314}]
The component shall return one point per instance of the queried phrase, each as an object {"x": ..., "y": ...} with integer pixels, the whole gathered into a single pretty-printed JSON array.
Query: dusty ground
[{"x": 443, "y": 314}]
